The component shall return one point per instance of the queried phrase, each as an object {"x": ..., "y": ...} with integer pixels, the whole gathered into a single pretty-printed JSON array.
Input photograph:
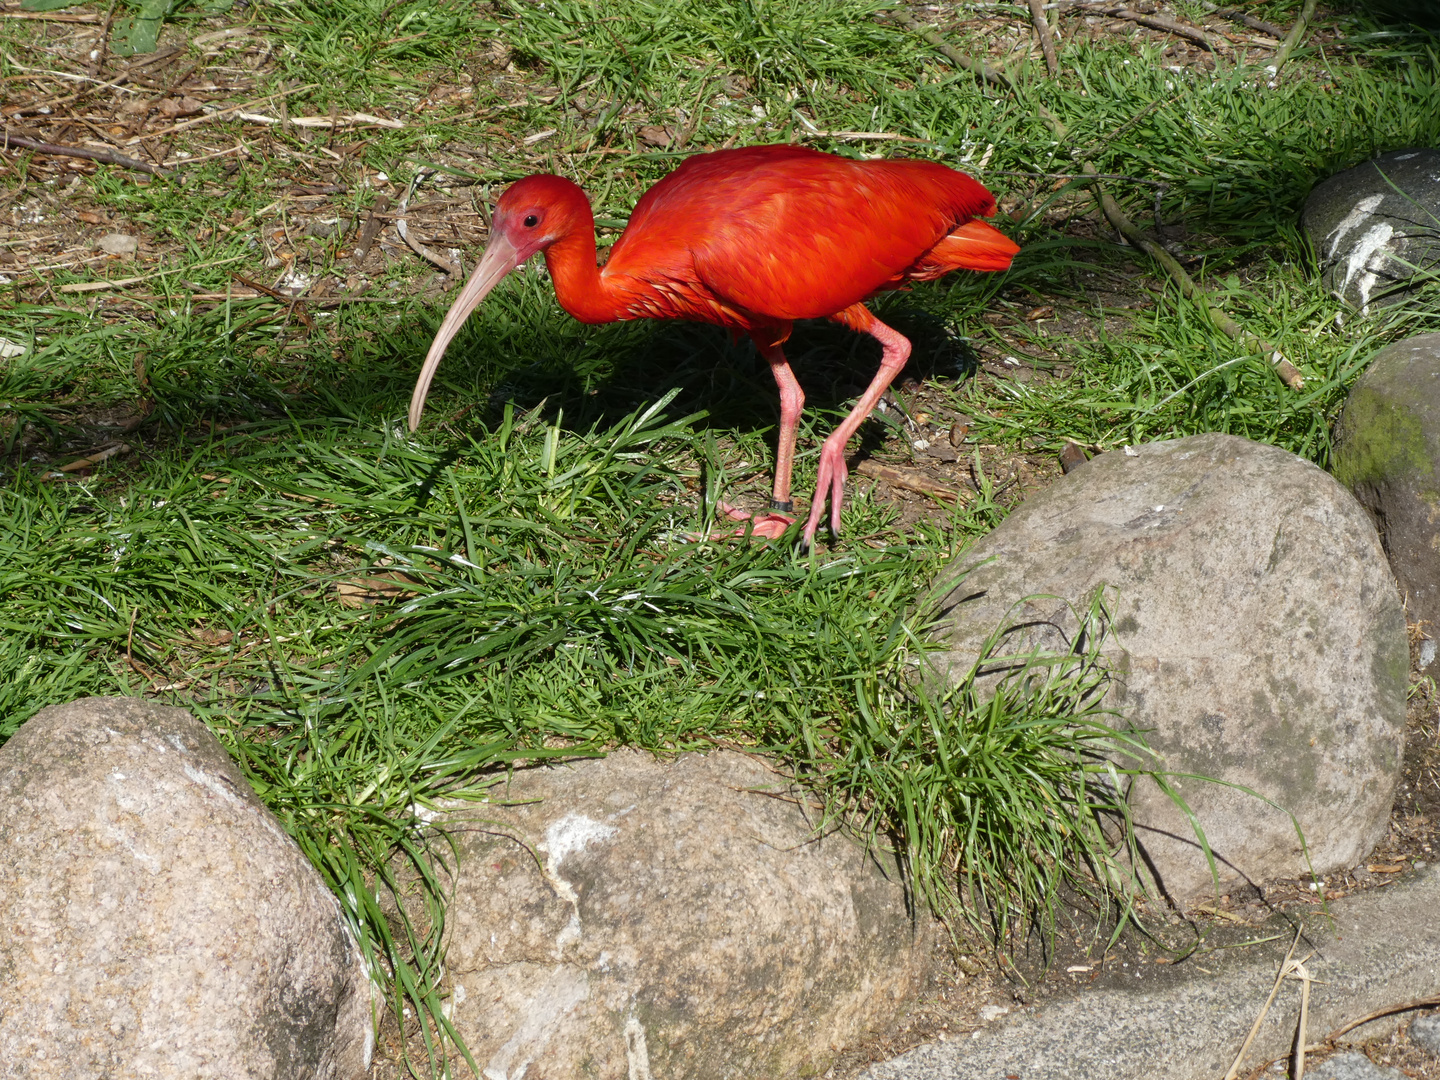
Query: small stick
[
  {"x": 96, "y": 457},
  {"x": 1080, "y": 176},
  {"x": 1418, "y": 1003},
  {"x": 104, "y": 41},
  {"x": 119, "y": 283},
  {"x": 1234, "y": 1069},
  {"x": 219, "y": 114},
  {"x": 1288, "y": 373},
  {"x": 1253, "y": 23},
  {"x": 373, "y": 225},
  {"x": 1304, "y": 975},
  {"x": 130, "y": 643},
  {"x": 912, "y": 479},
  {"x": 49, "y": 16},
  {"x": 1168, "y": 25},
  {"x": 415, "y": 245},
  {"x": 295, "y": 303},
  {"x": 954, "y": 55},
  {"x": 1047, "y": 42},
  {"x": 1292, "y": 39},
  {"x": 107, "y": 156}
]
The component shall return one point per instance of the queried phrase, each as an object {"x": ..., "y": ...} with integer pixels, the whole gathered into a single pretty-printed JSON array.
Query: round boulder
[
  {"x": 158, "y": 921},
  {"x": 1387, "y": 451},
  {"x": 1373, "y": 227},
  {"x": 628, "y": 917},
  {"x": 1256, "y": 638}
]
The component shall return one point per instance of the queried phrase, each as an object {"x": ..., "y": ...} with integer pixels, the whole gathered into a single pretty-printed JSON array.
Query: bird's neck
[{"x": 578, "y": 283}]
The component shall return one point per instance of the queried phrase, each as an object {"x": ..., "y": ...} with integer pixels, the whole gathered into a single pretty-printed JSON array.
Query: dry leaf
[
  {"x": 91, "y": 218},
  {"x": 662, "y": 137},
  {"x": 359, "y": 592},
  {"x": 95, "y": 457},
  {"x": 172, "y": 108}
]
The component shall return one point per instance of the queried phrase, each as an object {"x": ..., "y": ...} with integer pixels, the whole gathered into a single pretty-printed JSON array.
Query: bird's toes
[
  {"x": 734, "y": 513},
  {"x": 771, "y": 526},
  {"x": 766, "y": 526}
]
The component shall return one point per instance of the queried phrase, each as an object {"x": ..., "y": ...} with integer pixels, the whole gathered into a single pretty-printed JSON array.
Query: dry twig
[
  {"x": 1302, "y": 973},
  {"x": 52, "y": 16},
  {"x": 1047, "y": 41},
  {"x": 109, "y": 157},
  {"x": 420, "y": 249},
  {"x": 120, "y": 283},
  {"x": 954, "y": 55},
  {"x": 1234, "y": 1069},
  {"x": 1419, "y": 1003},
  {"x": 95, "y": 457},
  {"x": 1252, "y": 22},
  {"x": 373, "y": 224},
  {"x": 1292, "y": 39},
  {"x": 913, "y": 479},
  {"x": 1167, "y": 25},
  {"x": 218, "y": 114},
  {"x": 294, "y": 303}
]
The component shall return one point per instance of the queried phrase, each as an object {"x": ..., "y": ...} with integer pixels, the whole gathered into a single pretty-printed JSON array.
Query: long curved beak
[{"x": 499, "y": 258}]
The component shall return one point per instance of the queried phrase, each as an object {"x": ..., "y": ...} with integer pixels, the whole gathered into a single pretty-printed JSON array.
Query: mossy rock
[{"x": 1387, "y": 447}]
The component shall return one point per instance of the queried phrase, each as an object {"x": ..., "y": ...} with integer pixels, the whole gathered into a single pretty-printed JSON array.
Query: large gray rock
[
  {"x": 633, "y": 918},
  {"x": 1387, "y": 451},
  {"x": 1374, "y": 226},
  {"x": 158, "y": 921},
  {"x": 1257, "y": 638}
]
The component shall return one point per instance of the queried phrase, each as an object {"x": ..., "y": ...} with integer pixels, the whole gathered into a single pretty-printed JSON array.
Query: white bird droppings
[{"x": 1364, "y": 209}]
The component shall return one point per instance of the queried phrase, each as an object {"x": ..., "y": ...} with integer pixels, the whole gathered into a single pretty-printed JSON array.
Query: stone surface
[
  {"x": 1351, "y": 1066},
  {"x": 1383, "y": 948},
  {"x": 1370, "y": 237},
  {"x": 1387, "y": 451},
  {"x": 158, "y": 922},
  {"x": 671, "y": 919},
  {"x": 1256, "y": 638},
  {"x": 1425, "y": 1032},
  {"x": 118, "y": 244}
]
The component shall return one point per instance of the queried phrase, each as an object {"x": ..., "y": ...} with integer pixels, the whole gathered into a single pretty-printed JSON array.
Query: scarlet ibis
[{"x": 750, "y": 239}]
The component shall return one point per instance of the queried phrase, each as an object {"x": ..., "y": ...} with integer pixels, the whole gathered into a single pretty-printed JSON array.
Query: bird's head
[{"x": 532, "y": 214}]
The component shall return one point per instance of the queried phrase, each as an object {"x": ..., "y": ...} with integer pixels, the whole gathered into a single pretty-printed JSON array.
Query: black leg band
[{"x": 786, "y": 507}]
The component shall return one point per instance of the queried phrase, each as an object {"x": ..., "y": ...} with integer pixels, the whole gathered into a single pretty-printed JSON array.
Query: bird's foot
[
  {"x": 830, "y": 479},
  {"x": 769, "y": 526}
]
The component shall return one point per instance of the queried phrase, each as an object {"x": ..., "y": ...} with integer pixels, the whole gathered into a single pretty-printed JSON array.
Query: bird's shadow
[{"x": 722, "y": 376}]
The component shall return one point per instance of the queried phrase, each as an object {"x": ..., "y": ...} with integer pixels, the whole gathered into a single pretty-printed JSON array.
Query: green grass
[{"x": 552, "y": 602}]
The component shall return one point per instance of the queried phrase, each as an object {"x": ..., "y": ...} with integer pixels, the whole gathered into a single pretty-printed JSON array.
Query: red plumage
[{"x": 751, "y": 239}]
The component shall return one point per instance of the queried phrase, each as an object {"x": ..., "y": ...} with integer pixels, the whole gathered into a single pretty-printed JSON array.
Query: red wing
[{"x": 789, "y": 233}]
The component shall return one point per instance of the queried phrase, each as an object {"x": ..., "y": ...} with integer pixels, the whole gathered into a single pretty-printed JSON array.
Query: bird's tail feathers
[{"x": 973, "y": 246}]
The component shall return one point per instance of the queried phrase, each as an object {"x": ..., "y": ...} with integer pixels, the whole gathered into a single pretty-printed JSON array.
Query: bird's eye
[{"x": 531, "y": 221}]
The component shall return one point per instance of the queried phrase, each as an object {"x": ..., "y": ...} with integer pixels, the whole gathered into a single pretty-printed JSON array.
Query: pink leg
[
  {"x": 833, "y": 471},
  {"x": 792, "y": 401}
]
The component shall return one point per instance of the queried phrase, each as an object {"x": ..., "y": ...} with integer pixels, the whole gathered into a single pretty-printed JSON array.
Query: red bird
[{"x": 750, "y": 239}]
